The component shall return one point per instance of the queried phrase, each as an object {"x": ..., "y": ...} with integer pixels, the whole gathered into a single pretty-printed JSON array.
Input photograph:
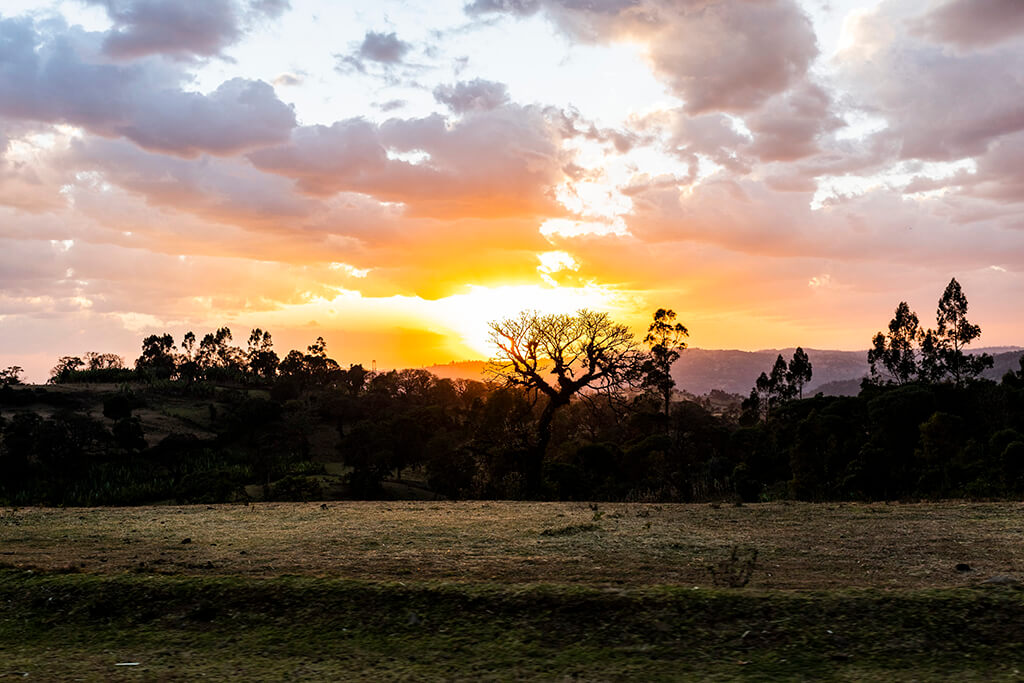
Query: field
[{"x": 471, "y": 590}]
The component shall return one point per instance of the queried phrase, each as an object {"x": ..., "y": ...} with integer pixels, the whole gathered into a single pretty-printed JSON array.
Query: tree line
[{"x": 575, "y": 406}]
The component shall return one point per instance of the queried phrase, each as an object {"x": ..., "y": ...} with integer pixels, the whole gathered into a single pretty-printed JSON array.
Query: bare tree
[{"x": 559, "y": 356}]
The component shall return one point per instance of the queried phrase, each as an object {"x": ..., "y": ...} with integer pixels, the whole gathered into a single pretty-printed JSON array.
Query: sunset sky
[{"x": 392, "y": 175}]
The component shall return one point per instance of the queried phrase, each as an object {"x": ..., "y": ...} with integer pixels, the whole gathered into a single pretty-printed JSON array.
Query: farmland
[{"x": 525, "y": 590}]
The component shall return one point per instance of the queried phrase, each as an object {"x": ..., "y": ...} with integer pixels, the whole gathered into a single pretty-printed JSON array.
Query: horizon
[{"x": 392, "y": 176}]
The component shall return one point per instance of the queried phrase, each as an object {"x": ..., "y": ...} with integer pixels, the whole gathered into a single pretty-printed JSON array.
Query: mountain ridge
[{"x": 700, "y": 371}]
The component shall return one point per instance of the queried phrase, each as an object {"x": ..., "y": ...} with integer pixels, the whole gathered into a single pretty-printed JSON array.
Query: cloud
[
  {"x": 715, "y": 55},
  {"x": 289, "y": 80},
  {"x": 518, "y": 7},
  {"x": 238, "y": 115},
  {"x": 450, "y": 178},
  {"x": 180, "y": 30},
  {"x": 938, "y": 105},
  {"x": 710, "y": 135},
  {"x": 475, "y": 95},
  {"x": 972, "y": 23},
  {"x": 878, "y": 226},
  {"x": 222, "y": 190},
  {"x": 999, "y": 177},
  {"x": 788, "y": 126},
  {"x": 55, "y": 76},
  {"x": 391, "y": 105},
  {"x": 383, "y": 47}
]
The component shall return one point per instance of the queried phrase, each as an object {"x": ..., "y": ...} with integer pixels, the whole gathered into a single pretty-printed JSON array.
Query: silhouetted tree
[
  {"x": 354, "y": 379},
  {"x": 217, "y": 357},
  {"x": 799, "y": 372},
  {"x": 785, "y": 383},
  {"x": 313, "y": 367},
  {"x": 157, "y": 356},
  {"x": 188, "y": 367},
  {"x": 582, "y": 351},
  {"x": 103, "y": 361},
  {"x": 64, "y": 367},
  {"x": 895, "y": 351},
  {"x": 953, "y": 334},
  {"x": 1015, "y": 379},
  {"x": 930, "y": 367},
  {"x": 262, "y": 359},
  {"x": 322, "y": 369},
  {"x": 11, "y": 375},
  {"x": 778, "y": 381},
  {"x": 664, "y": 340}
]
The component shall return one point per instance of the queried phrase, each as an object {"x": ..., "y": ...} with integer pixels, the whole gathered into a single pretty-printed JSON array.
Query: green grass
[{"x": 61, "y": 626}]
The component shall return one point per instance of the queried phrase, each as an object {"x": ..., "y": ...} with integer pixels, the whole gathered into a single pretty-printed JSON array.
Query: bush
[
  {"x": 296, "y": 488},
  {"x": 118, "y": 407}
]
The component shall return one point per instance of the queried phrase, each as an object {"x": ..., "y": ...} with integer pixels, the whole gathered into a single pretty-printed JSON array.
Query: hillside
[
  {"x": 836, "y": 373},
  {"x": 699, "y": 371},
  {"x": 466, "y": 369}
]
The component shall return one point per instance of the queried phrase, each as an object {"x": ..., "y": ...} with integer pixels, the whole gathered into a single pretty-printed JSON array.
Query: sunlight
[{"x": 467, "y": 314}]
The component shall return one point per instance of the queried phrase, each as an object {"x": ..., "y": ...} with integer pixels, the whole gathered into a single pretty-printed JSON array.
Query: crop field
[{"x": 489, "y": 590}]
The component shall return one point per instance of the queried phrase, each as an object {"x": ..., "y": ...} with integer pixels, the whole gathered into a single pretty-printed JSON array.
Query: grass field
[{"x": 477, "y": 590}]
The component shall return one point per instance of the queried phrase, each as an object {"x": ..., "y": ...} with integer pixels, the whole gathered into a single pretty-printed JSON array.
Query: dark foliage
[{"x": 581, "y": 414}]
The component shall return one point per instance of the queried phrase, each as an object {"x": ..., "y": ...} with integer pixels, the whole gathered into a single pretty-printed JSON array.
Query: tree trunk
[{"x": 534, "y": 466}]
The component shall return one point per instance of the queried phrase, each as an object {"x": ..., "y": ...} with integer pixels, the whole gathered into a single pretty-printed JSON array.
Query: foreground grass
[
  {"x": 499, "y": 591},
  {"x": 66, "y": 626},
  {"x": 800, "y": 546}
]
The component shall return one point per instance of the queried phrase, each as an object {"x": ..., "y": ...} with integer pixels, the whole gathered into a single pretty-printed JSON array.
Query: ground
[
  {"x": 501, "y": 590},
  {"x": 800, "y": 545}
]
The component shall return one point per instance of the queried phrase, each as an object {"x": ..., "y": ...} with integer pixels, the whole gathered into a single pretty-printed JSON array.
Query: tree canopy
[
  {"x": 664, "y": 340},
  {"x": 558, "y": 356}
]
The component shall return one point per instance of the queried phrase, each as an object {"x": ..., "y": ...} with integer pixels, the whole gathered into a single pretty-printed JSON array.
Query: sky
[{"x": 394, "y": 175}]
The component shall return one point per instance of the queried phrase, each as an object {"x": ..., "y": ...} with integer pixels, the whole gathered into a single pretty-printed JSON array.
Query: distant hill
[
  {"x": 836, "y": 373},
  {"x": 465, "y": 369},
  {"x": 699, "y": 371}
]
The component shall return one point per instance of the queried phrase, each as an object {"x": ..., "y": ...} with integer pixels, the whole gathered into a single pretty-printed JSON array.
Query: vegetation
[
  {"x": 61, "y": 627},
  {"x": 478, "y": 590},
  {"x": 577, "y": 409}
]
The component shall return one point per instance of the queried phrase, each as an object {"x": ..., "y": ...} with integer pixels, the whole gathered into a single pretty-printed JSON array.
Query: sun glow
[
  {"x": 467, "y": 314},
  {"x": 435, "y": 330}
]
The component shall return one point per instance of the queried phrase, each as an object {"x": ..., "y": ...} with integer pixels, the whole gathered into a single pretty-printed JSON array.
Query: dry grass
[{"x": 800, "y": 546}]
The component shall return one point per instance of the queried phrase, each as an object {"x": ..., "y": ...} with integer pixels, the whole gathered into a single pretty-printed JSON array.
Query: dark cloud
[
  {"x": 715, "y": 54},
  {"x": 517, "y": 7},
  {"x": 49, "y": 77},
  {"x": 383, "y": 47},
  {"x": 972, "y": 23},
  {"x": 391, "y": 105},
  {"x": 475, "y": 95},
  {"x": 180, "y": 29}
]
